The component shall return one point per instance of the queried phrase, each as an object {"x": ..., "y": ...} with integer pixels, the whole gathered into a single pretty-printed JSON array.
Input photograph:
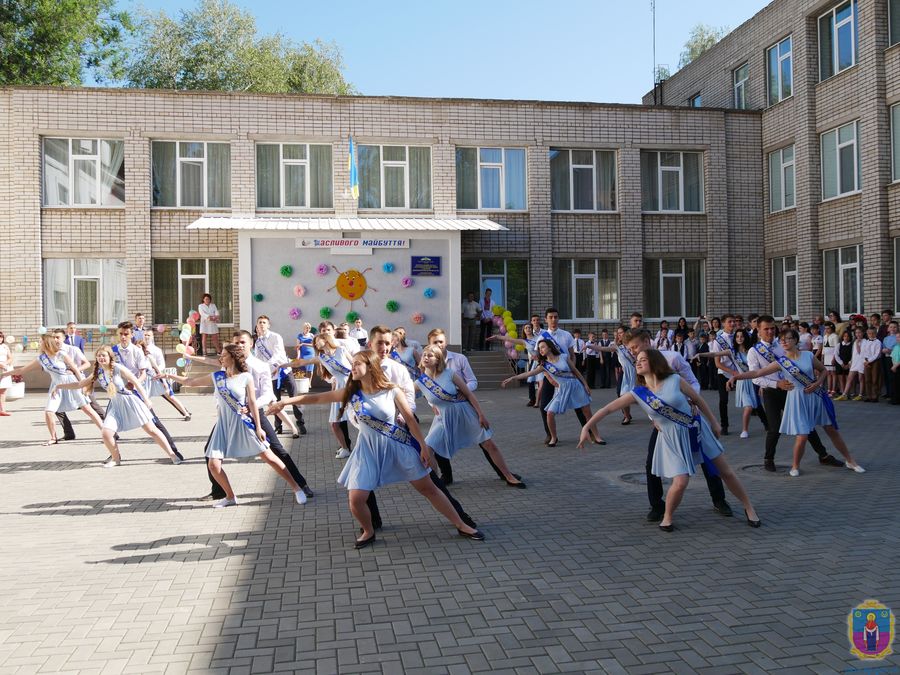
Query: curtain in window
[
  {"x": 582, "y": 189},
  {"x": 826, "y": 46},
  {"x": 559, "y": 180},
  {"x": 369, "y": 167},
  {"x": 562, "y": 287},
  {"x": 165, "y": 290},
  {"x": 295, "y": 185},
  {"x": 515, "y": 178},
  {"x": 112, "y": 173},
  {"x": 57, "y": 301},
  {"x": 268, "y": 189},
  {"x": 56, "y": 171},
  {"x": 220, "y": 288},
  {"x": 320, "y": 177},
  {"x": 466, "y": 178},
  {"x": 85, "y": 184},
  {"x": 608, "y": 289},
  {"x": 517, "y": 288},
  {"x": 164, "y": 190},
  {"x": 775, "y": 182},
  {"x": 606, "y": 180},
  {"x": 87, "y": 302},
  {"x": 693, "y": 288},
  {"x": 829, "y": 165},
  {"x": 832, "y": 283},
  {"x": 420, "y": 178},
  {"x": 650, "y": 183},
  {"x": 584, "y": 297},
  {"x": 786, "y": 71},
  {"x": 490, "y": 187},
  {"x": 894, "y": 17},
  {"x": 693, "y": 181},
  {"x": 651, "y": 287},
  {"x": 115, "y": 292},
  {"x": 772, "y": 75},
  {"x": 218, "y": 175},
  {"x": 787, "y": 155},
  {"x": 394, "y": 187}
]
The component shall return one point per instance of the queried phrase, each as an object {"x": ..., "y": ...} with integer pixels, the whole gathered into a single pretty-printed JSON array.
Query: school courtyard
[{"x": 124, "y": 570}]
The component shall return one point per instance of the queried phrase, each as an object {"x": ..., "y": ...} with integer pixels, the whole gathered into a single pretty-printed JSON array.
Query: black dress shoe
[
  {"x": 68, "y": 438},
  {"x": 769, "y": 465},
  {"x": 362, "y": 543},
  {"x": 447, "y": 478},
  {"x": 307, "y": 491},
  {"x": 303, "y": 430},
  {"x": 295, "y": 436},
  {"x": 828, "y": 460},
  {"x": 656, "y": 515},
  {"x": 467, "y": 519},
  {"x": 724, "y": 431},
  {"x": 667, "y": 528},
  {"x": 521, "y": 485},
  {"x": 752, "y": 523},
  {"x": 724, "y": 509},
  {"x": 474, "y": 536}
]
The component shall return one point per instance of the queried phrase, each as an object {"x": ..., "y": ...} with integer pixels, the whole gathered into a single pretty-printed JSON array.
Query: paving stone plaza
[{"x": 124, "y": 571}]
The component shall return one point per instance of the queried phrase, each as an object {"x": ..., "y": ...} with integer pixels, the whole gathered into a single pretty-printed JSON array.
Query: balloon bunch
[
  {"x": 187, "y": 331},
  {"x": 506, "y": 327}
]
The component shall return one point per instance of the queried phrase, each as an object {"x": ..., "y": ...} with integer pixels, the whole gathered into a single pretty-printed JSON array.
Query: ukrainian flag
[{"x": 354, "y": 172}]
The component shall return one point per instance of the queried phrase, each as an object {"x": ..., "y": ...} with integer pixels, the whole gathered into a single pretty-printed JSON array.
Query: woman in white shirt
[
  {"x": 209, "y": 323},
  {"x": 6, "y": 363}
]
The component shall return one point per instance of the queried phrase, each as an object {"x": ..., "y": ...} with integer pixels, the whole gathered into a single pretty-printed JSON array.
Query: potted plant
[{"x": 17, "y": 390}]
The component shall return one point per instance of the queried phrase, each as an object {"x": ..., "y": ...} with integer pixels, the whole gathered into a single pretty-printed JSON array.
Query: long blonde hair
[
  {"x": 373, "y": 370},
  {"x": 441, "y": 364},
  {"x": 111, "y": 387},
  {"x": 331, "y": 344},
  {"x": 49, "y": 345}
]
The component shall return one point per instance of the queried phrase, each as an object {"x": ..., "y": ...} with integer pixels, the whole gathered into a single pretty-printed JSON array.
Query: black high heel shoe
[
  {"x": 667, "y": 528},
  {"x": 521, "y": 484},
  {"x": 362, "y": 543},
  {"x": 597, "y": 441},
  {"x": 552, "y": 444},
  {"x": 752, "y": 523},
  {"x": 474, "y": 536}
]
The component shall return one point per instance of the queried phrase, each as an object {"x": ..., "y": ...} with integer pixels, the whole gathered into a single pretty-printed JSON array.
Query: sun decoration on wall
[{"x": 352, "y": 285}]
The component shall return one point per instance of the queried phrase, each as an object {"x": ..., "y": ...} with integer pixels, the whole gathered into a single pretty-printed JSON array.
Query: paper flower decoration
[
  {"x": 286, "y": 270},
  {"x": 175, "y": 332},
  {"x": 295, "y": 313},
  {"x": 406, "y": 282},
  {"x": 258, "y": 297},
  {"x": 351, "y": 317},
  {"x": 392, "y": 306},
  {"x": 325, "y": 312},
  {"x": 322, "y": 269},
  {"x": 388, "y": 268},
  {"x": 428, "y": 293},
  {"x": 102, "y": 329},
  {"x": 299, "y": 291},
  {"x": 418, "y": 317}
]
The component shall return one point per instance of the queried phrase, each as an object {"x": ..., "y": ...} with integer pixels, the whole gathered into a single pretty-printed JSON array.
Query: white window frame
[
  {"x": 891, "y": 43},
  {"x": 895, "y": 155},
  {"x": 683, "y": 276},
  {"x": 785, "y": 274},
  {"x": 192, "y": 160},
  {"x": 780, "y": 59},
  {"x": 73, "y": 299},
  {"x": 783, "y": 168},
  {"x": 835, "y": 48},
  {"x": 595, "y": 277},
  {"x": 98, "y": 204},
  {"x": 696, "y": 101},
  {"x": 282, "y": 164},
  {"x": 182, "y": 310},
  {"x": 382, "y": 163},
  {"x": 840, "y": 278},
  {"x": 856, "y": 158},
  {"x": 740, "y": 85},
  {"x": 593, "y": 168},
  {"x": 501, "y": 165},
  {"x": 680, "y": 170}
]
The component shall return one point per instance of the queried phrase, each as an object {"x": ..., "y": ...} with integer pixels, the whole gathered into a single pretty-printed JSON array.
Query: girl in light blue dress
[
  {"x": 459, "y": 421},
  {"x": 160, "y": 386},
  {"x": 62, "y": 370},
  {"x": 129, "y": 406},
  {"x": 746, "y": 397},
  {"x": 385, "y": 452},
  {"x": 681, "y": 444},
  {"x": 807, "y": 405},
  {"x": 626, "y": 364}
]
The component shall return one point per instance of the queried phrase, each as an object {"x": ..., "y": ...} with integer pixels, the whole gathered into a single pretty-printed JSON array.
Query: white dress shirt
[
  {"x": 350, "y": 346},
  {"x": 271, "y": 344},
  {"x": 727, "y": 359},
  {"x": 563, "y": 338},
  {"x": 133, "y": 358},
  {"x": 397, "y": 374},
  {"x": 756, "y": 362},
  {"x": 460, "y": 365},
  {"x": 74, "y": 353},
  {"x": 871, "y": 350},
  {"x": 262, "y": 381}
]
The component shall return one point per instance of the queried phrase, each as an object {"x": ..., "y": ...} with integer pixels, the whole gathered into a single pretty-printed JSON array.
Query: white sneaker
[
  {"x": 110, "y": 463},
  {"x": 300, "y": 496},
  {"x": 855, "y": 467},
  {"x": 794, "y": 472},
  {"x": 343, "y": 453},
  {"x": 744, "y": 434},
  {"x": 222, "y": 503}
]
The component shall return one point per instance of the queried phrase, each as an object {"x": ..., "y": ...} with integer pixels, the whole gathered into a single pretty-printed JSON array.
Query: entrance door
[{"x": 497, "y": 284}]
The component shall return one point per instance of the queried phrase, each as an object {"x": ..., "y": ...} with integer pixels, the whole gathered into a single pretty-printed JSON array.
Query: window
[
  {"x": 696, "y": 101},
  {"x": 394, "y": 177},
  {"x": 673, "y": 287},
  {"x": 781, "y": 179},
  {"x": 784, "y": 286},
  {"x": 779, "y": 76},
  {"x": 843, "y": 280},
  {"x": 840, "y": 161},
  {"x": 671, "y": 181},
  {"x": 582, "y": 180},
  {"x": 84, "y": 172},
  {"x": 586, "y": 290},
  {"x": 897, "y": 274},
  {"x": 490, "y": 179},
  {"x": 191, "y": 173},
  {"x": 837, "y": 39},
  {"x": 179, "y": 285},
  {"x": 293, "y": 175},
  {"x": 894, "y": 21},
  {"x": 895, "y": 142},
  {"x": 90, "y": 292},
  {"x": 741, "y": 75},
  {"x": 507, "y": 279}
]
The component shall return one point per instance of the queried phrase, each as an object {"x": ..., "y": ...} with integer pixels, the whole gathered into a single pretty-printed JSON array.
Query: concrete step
[{"x": 490, "y": 368}]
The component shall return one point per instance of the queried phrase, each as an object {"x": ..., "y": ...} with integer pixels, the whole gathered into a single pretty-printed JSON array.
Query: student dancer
[
  {"x": 71, "y": 349},
  {"x": 807, "y": 406},
  {"x": 746, "y": 397},
  {"x": 61, "y": 370},
  {"x": 626, "y": 362},
  {"x": 237, "y": 433},
  {"x": 269, "y": 347},
  {"x": 459, "y": 421},
  {"x": 684, "y": 440},
  {"x": 160, "y": 387},
  {"x": 384, "y": 453},
  {"x": 405, "y": 353},
  {"x": 855, "y": 367},
  {"x": 722, "y": 347},
  {"x": 571, "y": 391},
  {"x": 127, "y": 409},
  {"x": 529, "y": 342}
]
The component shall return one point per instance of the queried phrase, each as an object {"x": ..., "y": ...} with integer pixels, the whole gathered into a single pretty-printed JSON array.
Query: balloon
[
  {"x": 520, "y": 348},
  {"x": 42, "y": 330},
  {"x": 102, "y": 330},
  {"x": 180, "y": 363},
  {"x": 10, "y": 339},
  {"x": 189, "y": 350},
  {"x": 180, "y": 349},
  {"x": 19, "y": 348},
  {"x": 496, "y": 310},
  {"x": 195, "y": 315},
  {"x": 511, "y": 353},
  {"x": 186, "y": 327},
  {"x": 502, "y": 330},
  {"x": 191, "y": 322},
  {"x": 507, "y": 314},
  {"x": 185, "y": 335},
  {"x": 513, "y": 333},
  {"x": 175, "y": 332},
  {"x": 161, "y": 328}
]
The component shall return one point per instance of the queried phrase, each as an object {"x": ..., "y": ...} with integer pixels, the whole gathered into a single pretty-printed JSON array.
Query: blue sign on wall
[{"x": 426, "y": 266}]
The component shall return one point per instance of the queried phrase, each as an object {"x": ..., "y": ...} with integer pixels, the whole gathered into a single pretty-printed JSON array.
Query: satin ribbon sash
[
  {"x": 728, "y": 347},
  {"x": 51, "y": 366},
  {"x": 361, "y": 409},
  {"x": 625, "y": 355},
  {"x": 412, "y": 370},
  {"x": 334, "y": 366},
  {"x": 545, "y": 335},
  {"x": 219, "y": 379},
  {"x": 438, "y": 391},
  {"x": 792, "y": 368},
  {"x": 105, "y": 382},
  {"x": 557, "y": 372}
]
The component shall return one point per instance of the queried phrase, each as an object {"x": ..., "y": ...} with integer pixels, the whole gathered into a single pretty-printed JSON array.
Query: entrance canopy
[{"x": 352, "y": 224}]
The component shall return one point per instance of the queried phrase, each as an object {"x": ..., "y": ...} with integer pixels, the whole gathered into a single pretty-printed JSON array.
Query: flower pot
[
  {"x": 302, "y": 385},
  {"x": 16, "y": 391}
]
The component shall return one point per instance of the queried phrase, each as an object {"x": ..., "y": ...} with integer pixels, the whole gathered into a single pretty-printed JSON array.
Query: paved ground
[{"x": 123, "y": 571}]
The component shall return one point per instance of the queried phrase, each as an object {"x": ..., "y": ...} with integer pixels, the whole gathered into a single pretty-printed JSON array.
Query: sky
[{"x": 567, "y": 50}]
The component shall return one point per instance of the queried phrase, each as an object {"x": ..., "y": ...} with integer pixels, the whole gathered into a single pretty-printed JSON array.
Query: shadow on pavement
[
  {"x": 100, "y": 507},
  {"x": 186, "y": 548}
]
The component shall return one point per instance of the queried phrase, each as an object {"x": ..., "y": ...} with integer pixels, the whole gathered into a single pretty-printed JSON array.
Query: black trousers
[
  {"x": 654, "y": 483},
  {"x": 447, "y": 469},
  {"x": 68, "y": 431},
  {"x": 287, "y": 386},
  {"x": 547, "y": 392},
  {"x": 773, "y": 404},
  {"x": 895, "y": 392},
  {"x": 606, "y": 372},
  {"x": 721, "y": 381},
  {"x": 532, "y": 392},
  {"x": 484, "y": 333},
  {"x": 274, "y": 445},
  {"x": 165, "y": 432},
  {"x": 592, "y": 365}
]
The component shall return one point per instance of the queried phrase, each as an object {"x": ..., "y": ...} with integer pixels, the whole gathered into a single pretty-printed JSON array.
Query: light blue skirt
[
  {"x": 745, "y": 394},
  {"x": 126, "y": 412},
  {"x": 569, "y": 395},
  {"x": 457, "y": 427},
  {"x": 377, "y": 461},
  {"x": 232, "y": 439}
]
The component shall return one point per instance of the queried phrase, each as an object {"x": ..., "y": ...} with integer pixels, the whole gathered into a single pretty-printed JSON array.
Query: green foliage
[
  {"x": 217, "y": 47},
  {"x": 54, "y": 42},
  {"x": 702, "y": 38}
]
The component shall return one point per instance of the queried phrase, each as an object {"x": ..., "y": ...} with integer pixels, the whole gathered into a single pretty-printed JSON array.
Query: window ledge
[
  {"x": 836, "y": 75},
  {"x": 474, "y": 211},
  {"x": 205, "y": 209},
  {"x": 407, "y": 212},
  {"x": 843, "y": 196},
  {"x": 772, "y": 105},
  {"x": 673, "y": 213},
  {"x": 583, "y": 212},
  {"x": 786, "y": 209},
  {"x": 85, "y": 207},
  {"x": 294, "y": 209}
]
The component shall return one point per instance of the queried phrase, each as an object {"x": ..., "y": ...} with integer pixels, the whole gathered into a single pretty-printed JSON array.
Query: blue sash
[
  {"x": 333, "y": 365},
  {"x": 104, "y": 382},
  {"x": 361, "y": 408},
  {"x": 51, "y": 365},
  {"x": 263, "y": 351},
  {"x": 686, "y": 420},
  {"x": 545, "y": 335},
  {"x": 438, "y": 391},
  {"x": 726, "y": 347},
  {"x": 793, "y": 369},
  {"x": 625, "y": 355},
  {"x": 413, "y": 371},
  {"x": 556, "y": 371},
  {"x": 231, "y": 400}
]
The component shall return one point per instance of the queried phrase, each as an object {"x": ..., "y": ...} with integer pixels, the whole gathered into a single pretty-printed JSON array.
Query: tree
[
  {"x": 702, "y": 38},
  {"x": 55, "y": 42},
  {"x": 217, "y": 47}
]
